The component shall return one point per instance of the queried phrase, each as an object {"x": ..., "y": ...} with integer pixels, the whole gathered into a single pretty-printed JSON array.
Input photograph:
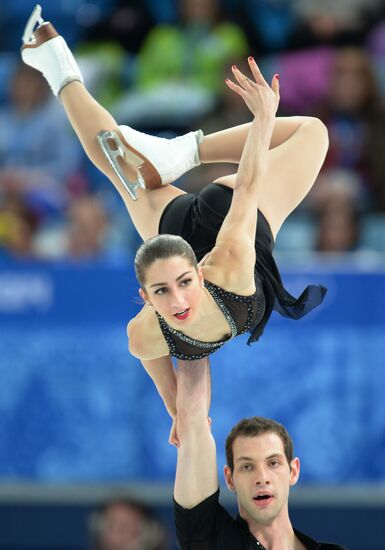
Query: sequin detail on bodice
[{"x": 242, "y": 313}]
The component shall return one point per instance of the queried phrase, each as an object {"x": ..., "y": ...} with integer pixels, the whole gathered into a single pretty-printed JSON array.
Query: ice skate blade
[
  {"x": 112, "y": 155},
  {"x": 34, "y": 19}
]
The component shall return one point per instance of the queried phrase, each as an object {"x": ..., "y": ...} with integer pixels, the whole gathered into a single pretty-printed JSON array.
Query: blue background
[{"x": 76, "y": 407}]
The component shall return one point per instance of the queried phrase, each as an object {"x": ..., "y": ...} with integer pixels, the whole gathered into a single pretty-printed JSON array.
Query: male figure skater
[{"x": 260, "y": 469}]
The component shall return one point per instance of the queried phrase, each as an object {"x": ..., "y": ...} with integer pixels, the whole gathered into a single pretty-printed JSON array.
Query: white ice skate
[
  {"x": 44, "y": 50},
  {"x": 157, "y": 161}
]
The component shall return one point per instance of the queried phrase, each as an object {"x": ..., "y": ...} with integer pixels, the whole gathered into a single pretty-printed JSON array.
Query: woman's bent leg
[
  {"x": 227, "y": 145},
  {"x": 293, "y": 167},
  {"x": 292, "y": 170}
]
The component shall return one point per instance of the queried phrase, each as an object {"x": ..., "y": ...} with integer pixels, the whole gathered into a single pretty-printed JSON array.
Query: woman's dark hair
[{"x": 159, "y": 248}]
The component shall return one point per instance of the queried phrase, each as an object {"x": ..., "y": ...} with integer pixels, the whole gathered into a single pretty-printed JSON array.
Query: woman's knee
[{"x": 318, "y": 131}]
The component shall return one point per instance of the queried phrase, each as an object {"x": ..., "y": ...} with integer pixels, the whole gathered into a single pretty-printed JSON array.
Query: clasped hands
[{"x": 173, "y": 438}]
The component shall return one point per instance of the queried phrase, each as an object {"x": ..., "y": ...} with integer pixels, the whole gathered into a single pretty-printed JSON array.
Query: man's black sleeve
[{"x": 198, "y": 528}]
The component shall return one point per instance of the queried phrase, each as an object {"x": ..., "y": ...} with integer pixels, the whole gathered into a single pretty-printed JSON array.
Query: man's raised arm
[{"x": 197, "y": 472}]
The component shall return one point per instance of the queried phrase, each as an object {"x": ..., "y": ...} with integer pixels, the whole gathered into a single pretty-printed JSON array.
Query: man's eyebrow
[
  {"x": 249, "y": 459},
  {"x": 275, "y": 455},
  {"x": 177, "y": 279}
]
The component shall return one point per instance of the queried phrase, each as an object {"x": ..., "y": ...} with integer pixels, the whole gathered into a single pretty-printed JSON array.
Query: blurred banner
[{"x": 76, "y": 407}]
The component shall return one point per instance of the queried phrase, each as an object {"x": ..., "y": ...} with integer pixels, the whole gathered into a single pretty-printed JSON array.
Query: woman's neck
[{"x": 209, "y": 324}]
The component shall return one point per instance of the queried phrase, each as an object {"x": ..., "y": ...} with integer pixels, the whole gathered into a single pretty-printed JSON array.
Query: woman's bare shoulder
[{"x": 145, "y": 337}]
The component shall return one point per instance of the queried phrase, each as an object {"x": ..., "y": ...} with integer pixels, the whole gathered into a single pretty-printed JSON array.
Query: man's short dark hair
[{"x": 254, "y": 426}]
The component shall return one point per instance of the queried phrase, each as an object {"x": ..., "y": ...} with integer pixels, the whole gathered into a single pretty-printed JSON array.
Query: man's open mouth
[{"x": 262, "y": 500}]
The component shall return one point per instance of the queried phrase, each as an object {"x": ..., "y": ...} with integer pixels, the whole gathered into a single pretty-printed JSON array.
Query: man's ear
[
  {"x": 229, "y": 479},
  {"x": 144, "y": 296},
  {"x": 294, "y": 470}
]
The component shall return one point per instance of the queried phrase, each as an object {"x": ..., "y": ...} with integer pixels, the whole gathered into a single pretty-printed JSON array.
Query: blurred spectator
[
  {"x": 81, "y": 235},
  {"x": 18, "y": 227},
  {"x": 91, "y": 230},
  {"x": 338, "y": 23},
  {"x": 87, "y": 229},
  {"x": 269, "y": 24},
  {"x": 338, "y": 182},
  {"x": 105, "y": 67},
  {"x": 230, "y": 110},
  {"x": 338, "y": 218},
  {"x": 338, "y": 228},
  {"x": 355, "y": 116},
  {"x": 8, "y": 62},
  {"x": 126, "y": 525},
  {"x": 196, "y": 51},
  {"x": 128, "y": 24},
  {"x": 305, "y": 77},
  {"x": 37, "y": 150},
  {"x": 107, "y": 54},
  {"x": 180, "y": 67}
]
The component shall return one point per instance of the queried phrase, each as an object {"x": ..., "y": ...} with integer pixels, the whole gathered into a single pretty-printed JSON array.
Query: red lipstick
[{"x": 182, "y": 315}]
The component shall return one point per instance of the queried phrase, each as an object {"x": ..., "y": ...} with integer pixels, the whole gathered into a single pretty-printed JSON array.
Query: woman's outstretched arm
[
  {"x": 145, "y": 344},
  {"x": 162, "y": 372},
  {"x": 234, "y": 252}
]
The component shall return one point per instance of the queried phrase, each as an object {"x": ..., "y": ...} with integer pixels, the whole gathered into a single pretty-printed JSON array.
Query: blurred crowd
[
  {"x": 160, "y": 66},
  {"x": 126, "y": 524}
]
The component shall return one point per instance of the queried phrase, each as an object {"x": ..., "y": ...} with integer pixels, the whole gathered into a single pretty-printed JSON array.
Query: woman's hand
[
  {"x": 260, "y": 98},
  {"x": 173, "y": 438}
]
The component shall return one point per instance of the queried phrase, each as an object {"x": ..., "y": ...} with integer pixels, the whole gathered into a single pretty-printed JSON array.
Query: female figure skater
[{"x": 193, "y": 309}]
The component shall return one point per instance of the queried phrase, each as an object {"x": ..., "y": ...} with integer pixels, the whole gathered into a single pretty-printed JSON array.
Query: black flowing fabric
[{"x": 198, "y": 217}]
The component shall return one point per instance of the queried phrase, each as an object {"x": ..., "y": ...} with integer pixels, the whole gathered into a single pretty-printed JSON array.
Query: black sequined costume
[
  {"x": 197, "y": 218},
  {"x": 241, "y": 312}
]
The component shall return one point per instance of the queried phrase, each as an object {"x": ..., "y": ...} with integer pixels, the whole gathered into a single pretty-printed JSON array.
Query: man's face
[{"x": 261, "y": 477}]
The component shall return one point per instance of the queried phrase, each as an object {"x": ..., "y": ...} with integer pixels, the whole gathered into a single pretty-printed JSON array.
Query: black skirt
[{"x": 198, "y": 218}]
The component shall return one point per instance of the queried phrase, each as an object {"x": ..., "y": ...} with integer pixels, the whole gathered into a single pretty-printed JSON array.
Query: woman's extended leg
[
  {"x": 165, "y": 160},
  {"x": 298, "y": 149},
  {"x": 88, "y": 118}
]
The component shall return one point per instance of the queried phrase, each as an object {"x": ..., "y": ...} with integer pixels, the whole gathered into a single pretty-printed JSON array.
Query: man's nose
[{"x": 262, "y": 476}]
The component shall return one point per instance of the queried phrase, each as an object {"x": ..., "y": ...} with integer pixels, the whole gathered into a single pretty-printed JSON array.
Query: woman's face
[{"x": 174, "y": 288}]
